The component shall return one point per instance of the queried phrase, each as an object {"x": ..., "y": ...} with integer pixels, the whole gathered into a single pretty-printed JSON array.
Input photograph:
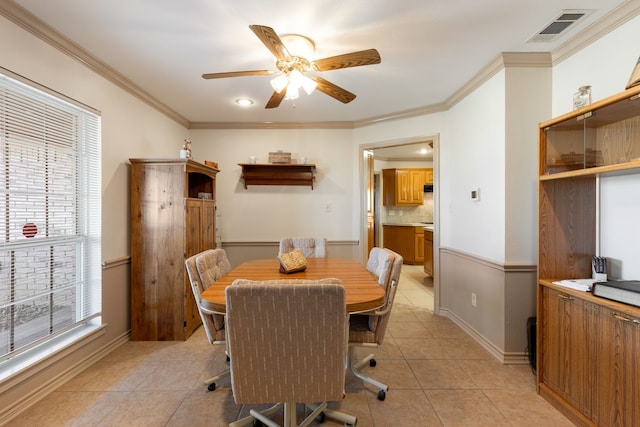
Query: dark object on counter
[
  {"x": 428, "y": 188},
  {"x": 625, "y": 291}
]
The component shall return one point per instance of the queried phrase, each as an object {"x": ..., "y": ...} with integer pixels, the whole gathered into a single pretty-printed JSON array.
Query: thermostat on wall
[{"x": 475, "y": 195}]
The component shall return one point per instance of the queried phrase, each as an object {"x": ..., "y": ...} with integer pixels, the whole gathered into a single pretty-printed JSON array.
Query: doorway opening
[{"x": 418, "y": 152}]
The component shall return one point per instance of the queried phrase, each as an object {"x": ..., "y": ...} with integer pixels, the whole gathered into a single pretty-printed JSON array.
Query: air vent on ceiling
[{"x": 559, "y": 25}]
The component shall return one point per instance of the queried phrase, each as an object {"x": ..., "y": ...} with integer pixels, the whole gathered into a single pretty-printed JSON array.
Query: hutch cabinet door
[
  {"x": 618, "y": 370},
  {"x": 566, "y": 347}
]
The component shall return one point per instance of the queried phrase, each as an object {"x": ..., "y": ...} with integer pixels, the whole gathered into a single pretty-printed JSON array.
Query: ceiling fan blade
[
  {"x": 271, "y": 41},
  {"x": 275, "y": 99},
  {"x": 238, "y": 74},
  {"x": 333, "y": 91},
  {"x": 347, "y": 60}
]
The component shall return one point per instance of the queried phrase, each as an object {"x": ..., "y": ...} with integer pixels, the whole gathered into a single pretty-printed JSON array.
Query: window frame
[{"x": 83, "y": 148}]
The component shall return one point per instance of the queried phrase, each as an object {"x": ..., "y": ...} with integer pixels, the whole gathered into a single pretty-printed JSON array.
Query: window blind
[{"x": 50, "y": 208}]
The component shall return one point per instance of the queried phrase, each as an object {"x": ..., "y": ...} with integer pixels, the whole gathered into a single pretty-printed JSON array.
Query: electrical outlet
[{"x": 473, "y": 300}]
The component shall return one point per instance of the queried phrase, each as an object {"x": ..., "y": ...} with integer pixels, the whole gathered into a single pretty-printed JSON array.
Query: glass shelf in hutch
[{"x": 603, "y": 137}]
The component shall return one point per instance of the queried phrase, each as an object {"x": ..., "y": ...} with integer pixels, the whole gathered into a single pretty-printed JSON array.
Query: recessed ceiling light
[{"x": 244, "y": 102}]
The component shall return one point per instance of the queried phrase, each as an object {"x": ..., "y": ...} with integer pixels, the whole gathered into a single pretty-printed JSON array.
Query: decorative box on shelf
[
  {"x": 279, "y": 157},
  {"x": 277, "y": 174}
]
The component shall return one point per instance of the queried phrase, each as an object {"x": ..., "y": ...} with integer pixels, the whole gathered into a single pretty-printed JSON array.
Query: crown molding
[
  {"x": 23, "y": 18},
  {"x": 526, "y": 59},
  {"x": 271, "y": 125}
]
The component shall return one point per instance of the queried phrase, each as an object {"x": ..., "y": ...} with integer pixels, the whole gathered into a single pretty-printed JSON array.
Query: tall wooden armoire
[{"x": 173, "y": 213}]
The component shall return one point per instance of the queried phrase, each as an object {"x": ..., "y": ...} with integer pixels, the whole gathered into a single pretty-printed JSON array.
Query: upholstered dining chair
[
  {"x": 287, "y": 342},
  {"x": 311, "y": 247},
  {"x": 204, "y": 269},
  {"x": 369, "y": 328}
]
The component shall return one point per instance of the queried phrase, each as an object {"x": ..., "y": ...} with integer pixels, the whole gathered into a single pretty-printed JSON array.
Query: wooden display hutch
[
  {"x": 277, "y": 174},
  {"x": 173, "y": 212},
  {"x": 588, "y": 348}
]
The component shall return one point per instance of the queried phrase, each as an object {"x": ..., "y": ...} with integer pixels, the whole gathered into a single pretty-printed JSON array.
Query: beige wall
[{"x": 268, "y": 213}]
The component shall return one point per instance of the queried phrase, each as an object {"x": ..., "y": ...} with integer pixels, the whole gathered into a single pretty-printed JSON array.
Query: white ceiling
[{"x": 430, "y": 48}]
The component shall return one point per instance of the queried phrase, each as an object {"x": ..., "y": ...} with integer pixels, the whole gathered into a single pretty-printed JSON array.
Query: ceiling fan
[{"x": 293, "y": 53}]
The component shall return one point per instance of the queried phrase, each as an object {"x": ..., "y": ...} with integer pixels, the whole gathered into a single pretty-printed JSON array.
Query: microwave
[{"x": 428, "y": 188}]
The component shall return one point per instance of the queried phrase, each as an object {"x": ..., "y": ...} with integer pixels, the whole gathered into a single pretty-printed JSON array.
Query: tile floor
[{"x": 438, "y": 376}]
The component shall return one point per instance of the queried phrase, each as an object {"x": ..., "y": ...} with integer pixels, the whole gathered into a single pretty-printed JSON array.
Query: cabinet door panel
[
  {"x": 566, "y": 346},
  {"x": 428, "y": 252},
  {"x": 209, "y": 224},
  {"x": 403, "y": 187},
  {"x": 417, "y": 178},
  {"x": 419, "y": 250},
  {"x": 193, "y": 227},
  {"x": 428, "y": 176},
  {"x": 618, "y": 371}
]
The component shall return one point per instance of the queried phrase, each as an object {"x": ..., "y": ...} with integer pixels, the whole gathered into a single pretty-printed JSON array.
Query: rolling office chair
[
  {"x": 311, "y": 247},
  {"x": 203, "y": 270},
  {"x": 287, "y": 342},
  {"x": 369, "y": 328}
]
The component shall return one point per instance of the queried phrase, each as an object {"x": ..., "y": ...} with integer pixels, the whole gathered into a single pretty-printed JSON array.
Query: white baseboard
[{"x": 511, "y": 358}]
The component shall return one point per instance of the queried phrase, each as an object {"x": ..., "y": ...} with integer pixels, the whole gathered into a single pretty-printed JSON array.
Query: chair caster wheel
[
  {"x": 321, "y": 418},
  {"x": 228, "y": 359},
  {"x": 382, "y": 395},
  {"x": 372, "y": 362},
  {"x": 211, "y": 387}
]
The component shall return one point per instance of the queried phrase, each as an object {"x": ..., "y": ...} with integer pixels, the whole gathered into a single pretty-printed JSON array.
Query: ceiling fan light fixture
[
  {"x": 292, "y": 92},
  {"x": 296, "y": 78},
  {"x": 294, "y": 55},
  {"x": 299, "y": 45},
  {"x": 280, "y": 83},
  {"x": 308, "y": 85}
]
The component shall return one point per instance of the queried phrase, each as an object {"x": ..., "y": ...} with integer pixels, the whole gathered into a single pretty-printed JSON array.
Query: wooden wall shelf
[{"x": 277, "y": 174}]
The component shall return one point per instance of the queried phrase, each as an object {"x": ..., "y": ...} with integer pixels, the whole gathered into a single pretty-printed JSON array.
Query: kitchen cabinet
[
  {"x": 588, "y": 348},
  {"x": 407, "y": 240},
  {"x": 404, "y": 187},
  {"x": 428, "y": 176},
  {"x": 428, "y": 251},
  {"x": 173, "y": 212}
]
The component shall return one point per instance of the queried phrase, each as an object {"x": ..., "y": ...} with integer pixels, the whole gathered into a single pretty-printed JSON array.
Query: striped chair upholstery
[
  {"x": 379, "y": 263},
  {"x": 311, "y": 247},
  {"x": 204, "y": 269},
  {"x": 287, "y": 342},
  {"x": 371, "y": 327}
]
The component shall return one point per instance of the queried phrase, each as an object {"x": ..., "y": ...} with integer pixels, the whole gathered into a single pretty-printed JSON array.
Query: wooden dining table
[{"x": 362, "y": 291}]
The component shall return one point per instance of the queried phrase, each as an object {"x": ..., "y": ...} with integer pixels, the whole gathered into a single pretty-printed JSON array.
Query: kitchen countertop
[{"x": 411, "y": 224}]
